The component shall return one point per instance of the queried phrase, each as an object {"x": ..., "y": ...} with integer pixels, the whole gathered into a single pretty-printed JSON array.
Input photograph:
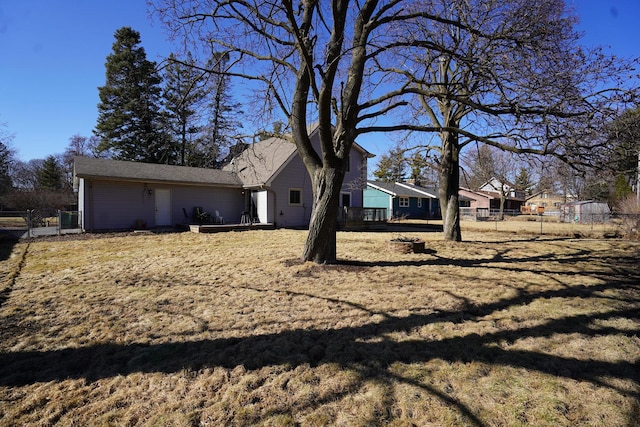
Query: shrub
[{"x": 629, "y": 210}]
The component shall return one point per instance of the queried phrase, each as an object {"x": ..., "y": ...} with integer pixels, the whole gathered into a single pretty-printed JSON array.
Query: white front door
[{"x": 163, "y": 206}]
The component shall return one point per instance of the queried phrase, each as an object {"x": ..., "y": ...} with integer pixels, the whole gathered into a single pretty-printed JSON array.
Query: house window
[
  {"x": 295, "y": 196},
  {"x": 419, "y": 202},
  {"x": 404, "y": 202}
]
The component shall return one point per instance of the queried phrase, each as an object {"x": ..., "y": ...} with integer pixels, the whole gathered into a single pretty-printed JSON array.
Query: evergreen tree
[
  {"x": 130, "y": 123},
  {"x": 523, "y": 180},
  {"x": 421, "y": 169},
  {"x": 392, "y": 166},
  {"x": 50, "y": 175}
]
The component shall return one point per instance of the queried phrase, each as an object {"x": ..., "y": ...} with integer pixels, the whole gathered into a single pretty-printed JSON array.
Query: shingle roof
[
  {"x": 261, "y": 161},
  {"x": 403, "y": 189},
  {"x": 86, "y": 167}
]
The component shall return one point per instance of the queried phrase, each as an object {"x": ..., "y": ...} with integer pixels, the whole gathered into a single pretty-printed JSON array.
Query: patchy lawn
[{"x": 231, "y": 329}]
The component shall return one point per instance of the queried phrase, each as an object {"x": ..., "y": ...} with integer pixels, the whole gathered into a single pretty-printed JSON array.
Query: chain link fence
[{"x": 39, "y": 222}]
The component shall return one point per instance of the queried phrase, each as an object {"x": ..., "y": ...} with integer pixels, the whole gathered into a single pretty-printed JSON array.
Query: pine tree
[
  {"x": 523, "y": 180},
  {"x": 392, "y": 166},
  {"x": 130, "y": 123},
  {"x": 49, "y": 175}
]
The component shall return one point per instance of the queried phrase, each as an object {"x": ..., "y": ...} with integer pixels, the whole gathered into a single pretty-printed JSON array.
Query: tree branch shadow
[{"x": 361, "y": 346}]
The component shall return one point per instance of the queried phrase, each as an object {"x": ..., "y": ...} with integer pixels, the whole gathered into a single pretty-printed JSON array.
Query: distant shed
[{"x": 585, "y": 211}]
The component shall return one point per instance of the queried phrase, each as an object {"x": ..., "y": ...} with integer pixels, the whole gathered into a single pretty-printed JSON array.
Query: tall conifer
[{"x": 130, "y": 121}]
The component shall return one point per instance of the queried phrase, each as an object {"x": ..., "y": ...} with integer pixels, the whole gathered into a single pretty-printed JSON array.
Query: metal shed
[{"x": 586, "y": 211}]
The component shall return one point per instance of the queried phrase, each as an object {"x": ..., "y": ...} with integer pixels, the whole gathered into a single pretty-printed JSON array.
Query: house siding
[
  {"x": 355, "y": 178},
  {"x": 481, "y": 201},
  {"x": 294, "y": 175},
  {"x": 411, "y": 211},
  {"x": 375, "y": 198},
  {"x": 117, "y": 205},
  {"x": 227, "y": 201}
]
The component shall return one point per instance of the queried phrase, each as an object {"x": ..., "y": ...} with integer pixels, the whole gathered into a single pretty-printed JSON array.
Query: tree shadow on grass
[
  {"x": 7, "y": 243},
  {"x": 367, "y": 348}
]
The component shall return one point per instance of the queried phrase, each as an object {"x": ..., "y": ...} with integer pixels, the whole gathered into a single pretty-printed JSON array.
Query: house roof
[
  {"x": 497, "y": 185},
  {"x": 401, "y": 189},
  {"x": 261, "y": 161},
  {"x": 86, "y": 167},
  {"x": 257, "y": 165},
  {"x": 479, "y": 193}
]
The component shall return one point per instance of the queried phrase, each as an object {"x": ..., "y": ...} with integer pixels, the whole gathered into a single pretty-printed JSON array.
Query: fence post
[
  {"x": 29, "y": 223},
  {"x": 59, "y": 228}
]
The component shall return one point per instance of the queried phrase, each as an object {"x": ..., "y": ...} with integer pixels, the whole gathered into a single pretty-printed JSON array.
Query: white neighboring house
[{"x": 496, "y": 186}]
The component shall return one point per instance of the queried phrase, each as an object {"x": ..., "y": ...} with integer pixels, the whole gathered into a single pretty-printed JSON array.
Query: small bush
[{"x": 629, "y": 210}]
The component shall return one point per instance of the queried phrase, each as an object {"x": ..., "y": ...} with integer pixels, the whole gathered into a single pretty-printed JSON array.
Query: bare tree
[
  {"x": 509, "y": 74},
  {"x": 489, "y": 165},
  {"x": 511, "y": 68},
  {"x": 312, "y": 61}
]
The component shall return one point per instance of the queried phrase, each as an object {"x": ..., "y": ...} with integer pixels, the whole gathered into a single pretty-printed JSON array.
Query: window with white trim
[
  {"x": 419, "y": 202},
  {"x": 295, "y": 196},
  {"x": 403, "y": 202}
]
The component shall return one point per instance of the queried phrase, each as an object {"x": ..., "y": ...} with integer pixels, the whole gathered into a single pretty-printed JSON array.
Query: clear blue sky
[{"x": 52, "y": 55}]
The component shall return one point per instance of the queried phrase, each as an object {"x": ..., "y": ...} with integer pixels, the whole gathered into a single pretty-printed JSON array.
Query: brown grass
[{"x": 231, "y": 329}]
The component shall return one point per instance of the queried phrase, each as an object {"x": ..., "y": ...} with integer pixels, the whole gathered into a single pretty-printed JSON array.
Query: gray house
[
  {"x": 116, "y": 195},
  {"x": 267, "y": 182}
]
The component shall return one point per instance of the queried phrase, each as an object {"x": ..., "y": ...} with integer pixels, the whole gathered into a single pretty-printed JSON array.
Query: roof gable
[
  {"x": 497, "y": 185},
  {"x": 119, "y": 170},
  {"x": 262, "y": 161}
]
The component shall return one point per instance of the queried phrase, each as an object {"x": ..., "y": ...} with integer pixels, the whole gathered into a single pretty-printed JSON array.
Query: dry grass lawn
[{"x": 231, "y": 329}]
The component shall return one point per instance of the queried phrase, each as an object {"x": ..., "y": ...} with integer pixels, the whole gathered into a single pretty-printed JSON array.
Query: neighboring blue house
[{"x": 402, "y": 200}]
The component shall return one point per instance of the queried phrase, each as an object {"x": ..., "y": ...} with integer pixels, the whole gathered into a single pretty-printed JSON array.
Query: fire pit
[{"x": 406, "y": 245}]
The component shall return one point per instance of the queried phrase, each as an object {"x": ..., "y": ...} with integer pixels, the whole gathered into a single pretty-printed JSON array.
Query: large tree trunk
[
  {"x": 449, "y": 187},
  {"x": 320, "y": 246}
]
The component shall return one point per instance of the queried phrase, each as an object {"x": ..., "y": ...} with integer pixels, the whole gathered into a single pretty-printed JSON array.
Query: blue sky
[{"x": 52, "y": 55}]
